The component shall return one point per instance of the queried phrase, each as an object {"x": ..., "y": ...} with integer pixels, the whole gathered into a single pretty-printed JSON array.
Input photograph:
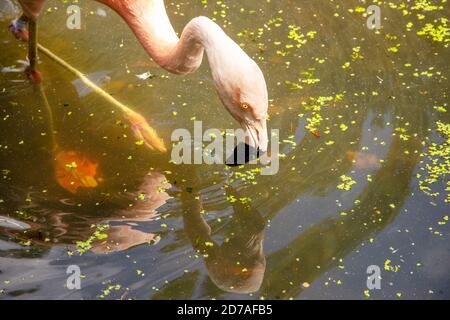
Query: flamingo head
[
  {"x": 243, "y": 90},
  {"x": 238, "y": 80}
]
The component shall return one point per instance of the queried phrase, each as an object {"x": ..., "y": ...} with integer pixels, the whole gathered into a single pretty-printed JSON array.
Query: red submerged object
[{"x": 74, "y": 171}]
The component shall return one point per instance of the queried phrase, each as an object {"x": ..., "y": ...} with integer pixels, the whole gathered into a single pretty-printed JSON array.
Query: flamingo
[{"x": 238, "y": 80}]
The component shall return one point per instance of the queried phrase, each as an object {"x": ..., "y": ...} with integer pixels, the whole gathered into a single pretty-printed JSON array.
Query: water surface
[{"x": 357, "y": 111}]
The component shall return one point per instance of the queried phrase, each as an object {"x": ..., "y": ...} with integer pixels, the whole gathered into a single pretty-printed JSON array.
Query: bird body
[{"x": 237, "y": 78}]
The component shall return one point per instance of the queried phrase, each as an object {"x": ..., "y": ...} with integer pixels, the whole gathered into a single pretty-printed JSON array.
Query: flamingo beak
[
  {"x": 243, "y": 153},
  {"x": 255, "y": 145}
]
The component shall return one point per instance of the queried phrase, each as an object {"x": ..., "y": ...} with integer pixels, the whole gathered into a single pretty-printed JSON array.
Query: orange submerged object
[
  {"x": 315, "y": 133},
  {"x": 74, "y": 171}
]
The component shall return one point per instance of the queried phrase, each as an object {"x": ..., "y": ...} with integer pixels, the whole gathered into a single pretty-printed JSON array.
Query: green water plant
[
  {"x": 436, "y": 164},
  {"x": 98, "y": 235},
  {"x": 438, "y": 32}
]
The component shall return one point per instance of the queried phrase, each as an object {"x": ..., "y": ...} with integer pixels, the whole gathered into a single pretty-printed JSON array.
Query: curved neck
[{"x": 149, "y": 21}]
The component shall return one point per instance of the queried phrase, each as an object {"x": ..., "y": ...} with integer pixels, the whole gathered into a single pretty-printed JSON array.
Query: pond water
[{"x": 364, "y": 130}]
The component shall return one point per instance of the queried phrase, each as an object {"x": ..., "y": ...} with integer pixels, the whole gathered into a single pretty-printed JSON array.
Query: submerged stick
[
  {"x": 72, "y": 169},
  {"x": 139, "y": 125},
  {"x": 50, "y": 116}
]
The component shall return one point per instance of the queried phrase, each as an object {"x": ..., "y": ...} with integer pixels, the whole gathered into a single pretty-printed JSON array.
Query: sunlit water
[{"x": 300, "y": 231}]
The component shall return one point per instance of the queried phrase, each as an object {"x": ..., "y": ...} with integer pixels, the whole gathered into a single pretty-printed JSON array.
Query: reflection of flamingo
[
  {"x": 65, "y": 226},
  {"x": 238, "y": 264},
  {"x": 237, "y": 78}
]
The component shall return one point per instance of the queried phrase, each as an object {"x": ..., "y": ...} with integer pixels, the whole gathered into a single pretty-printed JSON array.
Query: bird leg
[
  {"x": 32, "y": 73},
  {"x": 19, "y": 28}
]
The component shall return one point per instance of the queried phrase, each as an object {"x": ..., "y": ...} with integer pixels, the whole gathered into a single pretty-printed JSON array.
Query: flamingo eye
[{"x": 245, "y": 105}]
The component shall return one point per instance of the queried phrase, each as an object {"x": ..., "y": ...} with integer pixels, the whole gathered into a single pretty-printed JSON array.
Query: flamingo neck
[{"x": 149, "y": 21}]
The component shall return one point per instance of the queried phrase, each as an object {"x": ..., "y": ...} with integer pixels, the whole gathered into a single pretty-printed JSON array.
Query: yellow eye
[{"x": 245, "y": 105}]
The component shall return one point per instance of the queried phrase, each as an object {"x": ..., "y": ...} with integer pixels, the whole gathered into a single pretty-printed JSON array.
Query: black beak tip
[{"x": 243, "y": 154}]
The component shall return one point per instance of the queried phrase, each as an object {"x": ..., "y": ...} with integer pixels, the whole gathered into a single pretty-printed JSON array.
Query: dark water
[{"x": 202, "y": 232}]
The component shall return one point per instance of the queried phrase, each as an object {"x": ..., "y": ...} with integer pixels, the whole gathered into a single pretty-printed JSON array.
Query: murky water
[{"x": 357, "y": 112}]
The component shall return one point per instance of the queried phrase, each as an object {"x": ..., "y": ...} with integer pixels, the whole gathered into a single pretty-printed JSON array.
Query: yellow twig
[
  {"x": 50, "y": 120},
  {"x": 139, "y": 125}
]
